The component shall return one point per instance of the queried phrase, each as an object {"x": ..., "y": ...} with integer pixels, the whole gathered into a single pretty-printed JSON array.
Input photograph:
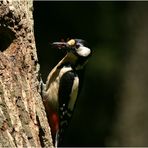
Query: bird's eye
[{"x": 77, "y": 46}]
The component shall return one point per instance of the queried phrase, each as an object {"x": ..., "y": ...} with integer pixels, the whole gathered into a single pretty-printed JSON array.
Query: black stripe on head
[{"x": 81, "y": 41}]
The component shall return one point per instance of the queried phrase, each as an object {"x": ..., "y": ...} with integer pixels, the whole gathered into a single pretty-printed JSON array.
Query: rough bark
[{"x": 23, "y": 120}]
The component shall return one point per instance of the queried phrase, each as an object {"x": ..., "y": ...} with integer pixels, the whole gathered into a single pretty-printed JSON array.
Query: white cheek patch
[{"x": 83, "y": 51}]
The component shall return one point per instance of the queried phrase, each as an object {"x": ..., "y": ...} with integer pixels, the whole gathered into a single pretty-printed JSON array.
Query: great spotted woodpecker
[{"x": 63, "y": 86}]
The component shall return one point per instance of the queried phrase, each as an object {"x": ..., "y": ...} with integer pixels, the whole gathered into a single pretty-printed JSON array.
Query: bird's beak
[{"x": 60, "y": 45}]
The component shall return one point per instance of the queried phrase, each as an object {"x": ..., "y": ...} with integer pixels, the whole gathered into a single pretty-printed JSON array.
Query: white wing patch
[
  {"x": 74, "y": 93},
  {"x": 83, "y": 51},
  {"x": 64, "y": 70}
]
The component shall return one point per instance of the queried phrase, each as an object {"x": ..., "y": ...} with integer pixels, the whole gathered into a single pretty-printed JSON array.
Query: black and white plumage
[{"x": 63, "y": 86}]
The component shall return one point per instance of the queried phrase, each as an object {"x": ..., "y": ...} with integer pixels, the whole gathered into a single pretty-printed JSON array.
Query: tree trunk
[{"x": 23, "y": 119}]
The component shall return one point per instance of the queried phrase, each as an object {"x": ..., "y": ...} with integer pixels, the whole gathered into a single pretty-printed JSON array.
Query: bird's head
[{"x": 75, "y": 46}]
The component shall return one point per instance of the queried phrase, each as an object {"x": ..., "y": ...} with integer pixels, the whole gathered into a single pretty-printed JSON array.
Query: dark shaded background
[{"x": 105, "y": 26}]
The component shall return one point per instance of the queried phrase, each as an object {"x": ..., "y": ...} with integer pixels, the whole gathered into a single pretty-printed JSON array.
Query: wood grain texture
[{"x": 23, "y": 121}]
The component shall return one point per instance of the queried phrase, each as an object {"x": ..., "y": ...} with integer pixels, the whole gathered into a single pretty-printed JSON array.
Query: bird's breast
[{"x": 52, "y": 91}]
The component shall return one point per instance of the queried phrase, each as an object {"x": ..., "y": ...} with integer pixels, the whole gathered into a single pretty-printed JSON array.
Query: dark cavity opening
[{"x": 6, "y": 38}]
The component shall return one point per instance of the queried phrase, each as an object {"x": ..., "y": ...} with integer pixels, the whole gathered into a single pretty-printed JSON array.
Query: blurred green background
[{"x": 109, "y": 28}]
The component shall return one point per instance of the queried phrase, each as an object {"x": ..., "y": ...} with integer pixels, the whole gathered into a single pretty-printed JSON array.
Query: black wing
[{"x": 65, "y": 88}]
